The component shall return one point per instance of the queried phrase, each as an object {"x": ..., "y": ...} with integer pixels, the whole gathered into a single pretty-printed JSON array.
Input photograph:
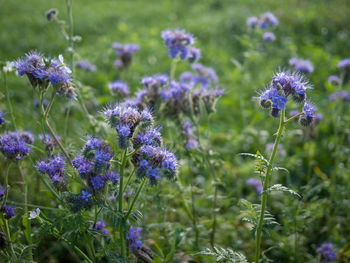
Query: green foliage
[{"x": 224, "y": 255}]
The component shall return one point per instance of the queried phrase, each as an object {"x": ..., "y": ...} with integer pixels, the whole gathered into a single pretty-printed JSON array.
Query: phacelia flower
[
  {"x": 85, "y": 196},
  {"x": 252, "y": 21},
  {"x": 54, "y": 167},
  {"x": 111, "y": 176},
  {"x": 52, "y": 13},
  {"x": 14, "y": 146},
  {"x": 34, "y": 214},
  {"x": 205, "y": 75},
  {"x": 268, "y": 37},
  {"x": 48, "y": 141},
  {"x": 150, "y": 136},
  {"x": 2, "y": 119},
  {"x": 256, "y": 184},
  {"x": 8, "y": 211},
  {"x": 344, "y": 64},
  {"x": 344, "y": 95},
  {"x": 134, "y": 237},
  {"x": 119, "y": 88},
  {"x": 125, "y": 53},
  {"x": 194, "y": 54},
  {"x": 301, "y": 65},
  {"x": 328, "y": 253},
  {"x": 309, "y": 114},
  {"x": 334, "y": 80},
  {"x": 178, "y": 42},
  {"x": 85, "y": 65},
  {"x": 100, "y": 226},
  {"x": 268, "y": 19},
  {"x": 191, "y": 141}
]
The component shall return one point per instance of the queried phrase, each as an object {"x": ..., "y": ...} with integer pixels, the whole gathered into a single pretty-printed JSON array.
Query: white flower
[
  {"x": 34, "y": 214},
  {"x": 9, "y": 66}
]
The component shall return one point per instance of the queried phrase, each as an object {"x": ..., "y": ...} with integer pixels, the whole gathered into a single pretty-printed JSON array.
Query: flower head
[
  {"x": 119, "y": 88},
  {"x": 85, "y": 65},
  {"x": 334, "y": 80},
  {"x": 256, "y": 184},
  {"x": 34, "y": 214},
  {"x": 268, "y": 19},
  {"x": 301, "y": 65},
  {"x": 252, "y": 21},
  {"x": 8, "y": 210},
  {"x": 125, "y": 53},
  {"x": 54, "y": 167},
  {"x": 328, "y": 253},
  {"x": 15, "y": 145},
  {"x": 134, "y": 237},
  {"x": 178, "y": 42},
  {"x": 100, "y": 226},
  {"x": 2, "y": 119},
  {"x": 268, "y": 37}
]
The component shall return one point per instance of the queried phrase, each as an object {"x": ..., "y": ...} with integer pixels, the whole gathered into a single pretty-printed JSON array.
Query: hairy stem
[
  {"x": 121, "y": 226},
  {"x": 135, "y": 198},
  {"x": 265, "y": 186}
]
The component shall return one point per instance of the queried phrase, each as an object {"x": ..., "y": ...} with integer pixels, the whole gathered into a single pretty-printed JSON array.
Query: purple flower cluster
[
  {"x": 124, "y": 53},
  {"x": 77, "y": 202},
  {"x": 191, "y": 141},
  {"x": 344, "y": 64},
  {"x": 344, "y": 95},
  {"x": 2, "y": 119},
  {"x": 125, "y": 119},
  {"x": 94, "y": 164},
  {"x": 54, "y": 167},
  {"x": 119, "y": 88},
  {"x": 100, "y": 226},
  {"x": 180, "y": 43},
  {"x": 48, "y": 141},
  {"x": 255, "y": 184},
  {"x": 8, "y": 211},
  {"x": 334, "y": 80},
  {"x": 301, "y": 65},
  {"x": 266, "y": 19},
  {"x": 155, "y": 161},
  {"x": 134, "y": 237},
  {"x": 85, "y": 65},
  {"x": 282, "y": 86},
  {"x": 42, "y": 71},
  {"x": 328, "y": 253},
  {"x": 268, "y": 37},
  {"x": 16, "y": 145}
]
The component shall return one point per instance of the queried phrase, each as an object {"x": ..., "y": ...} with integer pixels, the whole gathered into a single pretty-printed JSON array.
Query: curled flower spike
[
  {"x": 191, "y": 142},
  {"x": 252, "y": 21},
  {"x": 268, "y": 37},
  {"x": 8, "y": 211},
  {"x": 15, "y": 145},
  {"x": 85, "y": 65},
  {"x": 309, "y": 114},
  {"x": 268, "y": 19},
  {"x": 125, "y": 53},
  {"x": 301, "y": 65},
  {"x": 119, "y": 88},
  {"x": 194, "y": 54},
  {"x": 55, "y": 168},
  {"x": 178, "y": 42},
  {"x": 328, "y": 253},
  {"x": 134, "y": 237}
]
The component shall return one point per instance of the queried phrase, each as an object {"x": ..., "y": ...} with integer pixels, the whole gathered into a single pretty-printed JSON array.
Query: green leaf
[
  {"x": 281, "y": 188},
  {"x": 222, "y": 254}
]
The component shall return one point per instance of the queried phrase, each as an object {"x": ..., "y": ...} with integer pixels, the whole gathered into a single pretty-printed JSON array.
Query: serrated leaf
[
  {"x": 224, "y": 254},
  {"x": 281, "y": 188}
]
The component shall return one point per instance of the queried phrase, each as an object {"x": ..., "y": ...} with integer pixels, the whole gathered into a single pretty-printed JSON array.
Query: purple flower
[
  {"x": 344, "y": 95},
  {"x": 97, "y": 182},
  {"x": 328, "y": 253},
  {"x": 85, "y": 196},
  {"x": 150, "y": 136},
  {"x": 252, "y": 21},
  {"x": 125, "y": 53},
  {"x": 14, "y": 146},
  {"x": 8, "y": 210},
  {"x": 301, "y": 65},
  {"x": 205, "y": 75},
  {"x": 119, "y": 88},
  {"x": 334, "y": 80},
  {"x": 54, "y": 167},
  {"x": 51, "y": 14},
  {"x": 100, "y": 226},
  {"x": 84, "y": 166},
  {"x": 268, "y": 37},
  {"x": 256, "y": 184},
  {"x": 268, "y": 19},
  {"x": 191, "y": 142},
  {"x": 178, "y": 42},
  {"x": 309, "y": 114},
  {"x": 2, "y": 114},
  {"x": 85, "y": 65},
  {"x": 111, "y": 176},
  {"x": 134, "y": 237},
  {"x": 344, "y": 64},
  {"x": 194, "y": 54}
]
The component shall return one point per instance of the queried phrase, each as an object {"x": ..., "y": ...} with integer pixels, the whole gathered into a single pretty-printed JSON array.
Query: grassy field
[{"x": 178, "y": 216}]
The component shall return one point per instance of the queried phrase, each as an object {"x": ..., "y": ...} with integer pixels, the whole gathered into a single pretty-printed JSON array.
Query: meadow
[{"x": 174, "y": 131}]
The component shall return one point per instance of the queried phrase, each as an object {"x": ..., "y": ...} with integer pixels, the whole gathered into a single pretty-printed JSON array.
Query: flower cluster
[
  {"x": 328, "y": 254},
  {"x": 255, "y": 184},
  {"x": 48, "y": 141},
  {"x": 54, "y": 167},
  {"x": 93, "y": 165},
  {"x": 100, "y": 226},
  {"x": 42, "y": 71},
  {"x": 191, "y": 141},
  {"x": 334, "y": 80},
  {"x": 8, "y": 211},
  {"x": 344, "y": 64},
  {"x": 2, "y": 119},
  {"x": 50, "y": 14},
  {"x": 180, "y": 43},
  {"x": 301, "y": 65},
  {"x": 119, "y": 88},
  {"x": 283, "y": 86},
  {"x": 344, "y": 95},
  {"x": 134, "y": 237},
  {"x": 124, "y": 53},
  {"x": 16, "y": 145},
  {"x": 125, "y": 119},
  {"x": 85, "y": 65},
  {"x": 266, "y": 20}
]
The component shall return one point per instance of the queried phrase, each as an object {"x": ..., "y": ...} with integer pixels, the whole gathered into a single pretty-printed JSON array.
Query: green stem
[
  {"x": 129, "y": 179},
  {"x": 173, "y": 68},
  {"x": 9, "y": 105},
  {"x": 265, "y": 187},
  {"x": 6, "y": 184},
  {"x": 96, "y": 215},
  {"x": 293, "y": 118},
  {"x": 8, "y": 235},
  {"x": 135, "y": 199},
  {"x": 194, "y": 220},
  {"x": 121, "y": 226}
]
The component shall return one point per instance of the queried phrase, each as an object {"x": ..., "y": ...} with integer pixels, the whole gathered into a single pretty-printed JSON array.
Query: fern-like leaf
[
  {"x": 281, "y": 188},
  {"x": 224, "y": 255}
]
